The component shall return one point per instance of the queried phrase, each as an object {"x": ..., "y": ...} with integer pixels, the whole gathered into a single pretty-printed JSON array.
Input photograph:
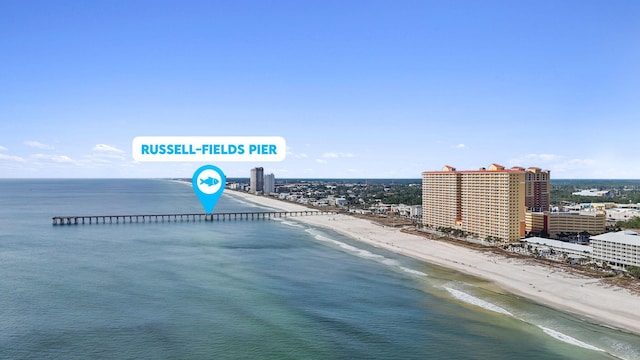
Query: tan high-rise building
[
  {"x": 442, "y": 188},
  {"x": 483, "y": 203}
]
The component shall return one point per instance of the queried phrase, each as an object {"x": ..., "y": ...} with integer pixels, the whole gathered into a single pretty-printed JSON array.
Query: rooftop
[
  {"x": 627, "y": 237},
  {"x": 493, "y": 168},
  {"x": 559, "y": 244}
]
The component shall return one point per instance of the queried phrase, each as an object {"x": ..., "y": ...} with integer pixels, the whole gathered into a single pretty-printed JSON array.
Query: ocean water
[{"x": 245, "y": 289}]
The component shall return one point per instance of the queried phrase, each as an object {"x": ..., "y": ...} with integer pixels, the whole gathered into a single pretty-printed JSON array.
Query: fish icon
[{"x": 209, "y": 181}]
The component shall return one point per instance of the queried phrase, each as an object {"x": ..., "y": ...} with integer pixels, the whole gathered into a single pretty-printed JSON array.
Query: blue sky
[{"x": 372, "y": 89}]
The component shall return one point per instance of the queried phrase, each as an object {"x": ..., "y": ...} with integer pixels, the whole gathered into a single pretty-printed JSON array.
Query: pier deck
[{"x": 159, "y": 218}]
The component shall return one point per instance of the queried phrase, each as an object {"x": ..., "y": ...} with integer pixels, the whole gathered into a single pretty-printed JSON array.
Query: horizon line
[{"x": 282, "y": 178}]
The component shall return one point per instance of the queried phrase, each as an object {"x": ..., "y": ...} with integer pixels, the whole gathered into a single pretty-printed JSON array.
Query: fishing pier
[{"x": 161, "y": 218}]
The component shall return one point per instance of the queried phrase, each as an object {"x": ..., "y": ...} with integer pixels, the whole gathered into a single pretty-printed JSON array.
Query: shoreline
[{"x": 556, "y": 288}]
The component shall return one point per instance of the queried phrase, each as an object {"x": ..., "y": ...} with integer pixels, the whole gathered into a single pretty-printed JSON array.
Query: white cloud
[
  {"x": 95, "y": 160},
  {"x": 106, "y": 148},
  {"x": 54, "y": 158},
  {"x": 2, "y": 148},
  {"x": 38, "y": 145},
  {"x": 62, "y": 158},
  {"x": 103, "y": 153},
  {"x": 291, "y": 153},
  {"x": 11, "y": 158},
  {"x": 106, "y": 157},
  {"x": 334, "y": 155},
  {"x": 542, "y": 157},
  {"x": 460, "y": 146}
]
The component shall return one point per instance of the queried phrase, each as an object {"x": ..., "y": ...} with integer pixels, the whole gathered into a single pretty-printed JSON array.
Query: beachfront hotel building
[
  {"x": 256, "y": 180},
  {"x": 489, "y": 202},
  {"x": 620, "y": 249}
]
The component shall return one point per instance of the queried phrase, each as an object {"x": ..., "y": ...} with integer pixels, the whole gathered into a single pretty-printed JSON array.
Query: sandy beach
[{"x": 603, "y": 304}]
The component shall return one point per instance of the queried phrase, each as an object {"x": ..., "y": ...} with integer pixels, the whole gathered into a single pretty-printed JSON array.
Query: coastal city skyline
[{"x": 375, "y": 90}]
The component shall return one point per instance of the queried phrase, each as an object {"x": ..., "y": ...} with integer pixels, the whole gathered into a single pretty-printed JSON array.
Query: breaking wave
[
  {"x": 411, "y": 271},
  {"x": 470, "y": 299},
  {"x": 459, "y": 295},
  {"x": 568, "y": 339},
  {"x": 288, "y": 223},
  {"x": 365, "y": 254}
]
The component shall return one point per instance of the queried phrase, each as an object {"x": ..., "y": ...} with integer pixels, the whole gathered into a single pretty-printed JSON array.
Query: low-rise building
[
  {"x": 561, "y": 247},
  {"x": 622, "y": 214},
  {"x": 593, "y": 222},
  {"x": 416, "y": 211},
  {"x": 360, "y": 211},
  {"x": 237, "y": 186},
  {"x": 554, "y": 223},
  {"x": 341, "y": 201},
  {"x": 619, "y": 249},
  {"x": 593, "y": 192}
]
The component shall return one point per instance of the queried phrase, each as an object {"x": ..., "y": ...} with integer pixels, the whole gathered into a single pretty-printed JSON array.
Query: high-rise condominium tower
[
  {"x": 483, "y": 203},
  {"x": 269, "y": 183},
  {"x": 256, "y": 181}
]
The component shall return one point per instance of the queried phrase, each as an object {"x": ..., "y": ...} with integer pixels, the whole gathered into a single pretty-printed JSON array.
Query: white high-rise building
[{"x": 269, "y": 183}]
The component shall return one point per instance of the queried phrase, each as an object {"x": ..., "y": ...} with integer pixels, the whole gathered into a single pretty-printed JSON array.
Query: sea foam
[
  {"x": 459, "y": 295},
  {"x": 568, "y": 339},
  {"x": 364, "y": 253},
  {"x": 288, "y": 223},
  {"x": 470, "y": 299}
]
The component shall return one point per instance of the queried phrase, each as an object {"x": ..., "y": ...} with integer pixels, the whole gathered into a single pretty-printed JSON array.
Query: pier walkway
[{"x": 159, "y": 218}]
